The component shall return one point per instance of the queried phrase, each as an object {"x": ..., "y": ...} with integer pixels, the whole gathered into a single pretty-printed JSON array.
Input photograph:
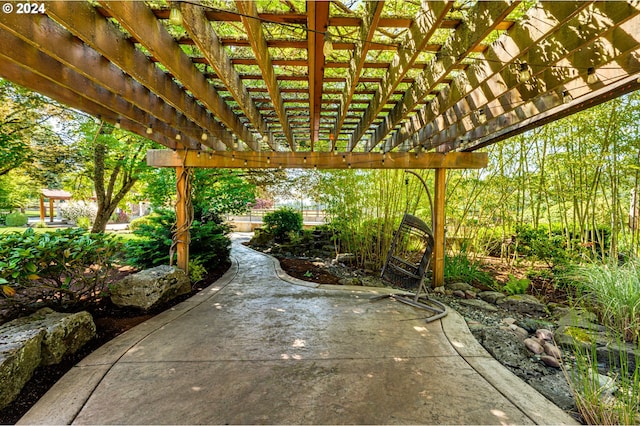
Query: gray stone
[
  {"x": 581, "y": 319},
  {"x": 64, "y": 333},
  {"x": 523, "y": 303},
  {"x": 555, "y": 388},
  {"x": 460, "y": 286},
  {"x": 491, "y": 296},
  {"x": 533, "y": 346},
  {"x": 508, "y": 349},
  {"x": 480, "y": 304},
  {"x": 533, "y": 324},
  {"x": 346, "y": 258},
  {"x": 552, "y": 350},
  {"x": 350, "y": 281},
  {"x": 150, "y": 288},
  {"x": 519, "y": 331},
  {"x": 508, "y": 321},
  {"x": 459, "y": 293},
  {"x": 550, "y": 361},
  {"x": 544, "y": 334},
  {"x": 470, "y": 294},
  {"x": 20, "y": 349}
]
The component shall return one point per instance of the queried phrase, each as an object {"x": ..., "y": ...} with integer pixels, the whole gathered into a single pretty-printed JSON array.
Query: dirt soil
[{"x": 110, "y": 321}]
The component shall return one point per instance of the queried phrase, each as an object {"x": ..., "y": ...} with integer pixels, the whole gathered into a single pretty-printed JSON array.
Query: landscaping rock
[
  {"x": 550, "y": 361},
  {"x": 544, "y": 334},
  {"x": 555, "y": 388},
  {"x": 491, "y": 296},
  {"x": 460, "y": 287},
  {"x": 19, "y": 357},
  {"x": 508, "y": 349},
  {"x": 42, "y": 338},
  {"x": 369, "y": 281},
  {"x": 64, "y": 333},
  {"x": 470, "y": 294},
  {"x": 533, "y": 346},
  {"x": 150, "y": 288},
  {"x": 533, "y": 324},
  {"x": 459, "y": 293},
  {"x": 480, "y": 304},
  {"x": 523, "y": 303},
  {"x": 552, "y": 350},
  {"x": 519, "y": 331},
  {"x": 346, "y": 258}
]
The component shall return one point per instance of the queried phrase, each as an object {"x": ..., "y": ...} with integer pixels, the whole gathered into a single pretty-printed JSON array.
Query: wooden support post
[
  {"x": 183, "y": 235},
  {"x": 439, "y": 227},
  {"x": 51, "y": 209},
  {"x": 42, "y": 214}
]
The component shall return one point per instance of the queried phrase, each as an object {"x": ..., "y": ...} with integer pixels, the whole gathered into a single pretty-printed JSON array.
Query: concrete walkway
[{"x": 258, "y": 347}]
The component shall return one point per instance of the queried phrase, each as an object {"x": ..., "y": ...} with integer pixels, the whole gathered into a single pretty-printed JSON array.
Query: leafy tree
[{"x": 113, "y": 160}]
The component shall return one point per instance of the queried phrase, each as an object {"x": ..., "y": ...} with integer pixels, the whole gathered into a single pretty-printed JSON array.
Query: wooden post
[
  {"x": 42, "y": 214},
  {"x": 183, "y": 236},
  {"x": 51, "y": 209},
  {"x": 439, "y": 228}
]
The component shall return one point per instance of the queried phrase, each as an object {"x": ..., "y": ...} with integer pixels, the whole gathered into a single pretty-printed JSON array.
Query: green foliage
[
  {"x": 516, "y": 286},
  {"x": 613, "y": 292},
  {"x": 539, "y": 244},
  {"x": 138, "y": 222},
  {"x": 16, "y": 219},
  {"x": 41, "y": 224},
  {"x": 197, "y": 272},
  {"x": 460, "y": 268},
  {"x": 83, "y": 222},
  {"x": 282, "y": 222},
  {"x": 63, "y": 268},
  {"x": 209, "y": 245}
]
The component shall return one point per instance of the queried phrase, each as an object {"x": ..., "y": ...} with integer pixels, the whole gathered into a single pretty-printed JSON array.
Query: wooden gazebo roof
[{"x": 320, "y": 78}]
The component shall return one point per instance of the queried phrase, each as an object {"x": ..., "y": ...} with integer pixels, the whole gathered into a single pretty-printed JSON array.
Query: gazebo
[
  {"x": 52, "y": 195},
  {"x": 324, "y": 84}
]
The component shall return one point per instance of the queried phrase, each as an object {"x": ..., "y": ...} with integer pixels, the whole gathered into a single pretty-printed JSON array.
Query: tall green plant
[{"x": 615, "y": 292}]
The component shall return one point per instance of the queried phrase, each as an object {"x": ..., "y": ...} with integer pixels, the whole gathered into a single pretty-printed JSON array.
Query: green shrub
[
  {"x": 16, "y": 219},
  {"x": 460, "y": 268},
  {"x": 516, "y": 286},
  {"x": 540, "y": 244},
  {"x": 197, "y": 272},
  {"x": 63, "y": 268},
  {"x": 282, "y": 222},
  {"x": 136, "y": 223},
  {"x": 41, "y": 224},
  {"x": 83, "y": 222},
  {"x": 210, "y": 243}
]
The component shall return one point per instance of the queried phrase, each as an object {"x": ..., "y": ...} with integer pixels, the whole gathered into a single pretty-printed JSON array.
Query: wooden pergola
[{"x": 326, "y": 84}]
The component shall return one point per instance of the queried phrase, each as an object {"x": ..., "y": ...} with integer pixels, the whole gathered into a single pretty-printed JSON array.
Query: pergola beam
[
  {"x": 139, "y": 20},
  {"x": 318, "y": 160},
  {"x": 317, "y": 22},
  {"x": 94, "y": 30},
  {"x": 357, "y": 62},
  {"x": 253, "y": 26},
  {"x": 201, "y": 32},
  {"x": 34, "y": 60}
]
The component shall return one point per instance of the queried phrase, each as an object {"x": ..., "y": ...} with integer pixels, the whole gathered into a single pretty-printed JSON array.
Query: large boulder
[
  {"x": 523, "y": 303},
  {"x": 150, "y": 288},
  {"x": 19, "y": 357},
  {"x": 42, "y": 338}
]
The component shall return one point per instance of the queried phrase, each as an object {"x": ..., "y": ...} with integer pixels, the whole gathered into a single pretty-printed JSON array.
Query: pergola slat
[
  {"x": 261, "y": 52},
  {"x": 84, "y": 22},
  {"x": 420, "y": 32},
  {"x": 196, "y": 24},
  {"x": 317, "y": 22},
  {"x": 141, "y": 22},
  {"x": 488, "y": 14},
  {"x": 573, "y": 53}
]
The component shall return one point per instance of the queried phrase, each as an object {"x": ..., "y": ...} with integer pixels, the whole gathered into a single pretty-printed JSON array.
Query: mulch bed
[{"x": 307, "y": 271}]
